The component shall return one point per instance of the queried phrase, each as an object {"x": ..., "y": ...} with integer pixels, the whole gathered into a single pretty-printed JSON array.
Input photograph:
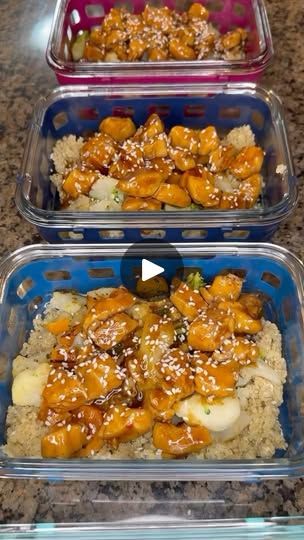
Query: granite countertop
[{"x": 24, "y": 29}]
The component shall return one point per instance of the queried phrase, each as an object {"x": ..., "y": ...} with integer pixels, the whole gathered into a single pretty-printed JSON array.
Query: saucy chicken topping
[
  {"x": 153, "y": 169},
  {"x": 158, "y": 34},
  {"x": 163, "y": 363}
]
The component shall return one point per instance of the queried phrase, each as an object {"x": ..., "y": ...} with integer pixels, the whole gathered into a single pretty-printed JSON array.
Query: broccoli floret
[
  {"x": 194, "y": 206},
  {"x": 117, "y": 195},
  {"x": 195, "y": 281}
]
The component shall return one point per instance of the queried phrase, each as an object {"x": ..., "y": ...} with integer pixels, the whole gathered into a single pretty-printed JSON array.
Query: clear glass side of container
[
  {"x": 25, "y": 287},
  {"x": 79, "y": 109},
  {"x": 287, "y": 528}
]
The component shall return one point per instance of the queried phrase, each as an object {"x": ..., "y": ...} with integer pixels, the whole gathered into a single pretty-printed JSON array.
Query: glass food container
[
  {"x": 30, "y": 275},
  {"x": 71, "y": 16},
  {"x": 78, "y": 110}
]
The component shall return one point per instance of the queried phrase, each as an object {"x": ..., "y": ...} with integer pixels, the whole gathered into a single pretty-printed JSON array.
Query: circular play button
[{"x": 150, "y": 263}]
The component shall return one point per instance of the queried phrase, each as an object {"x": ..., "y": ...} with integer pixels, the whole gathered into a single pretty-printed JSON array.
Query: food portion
[
  {"x": 124, "y": 167},
  {"x": 158, "y": 34},
  {"x": 190, "y": 370}
]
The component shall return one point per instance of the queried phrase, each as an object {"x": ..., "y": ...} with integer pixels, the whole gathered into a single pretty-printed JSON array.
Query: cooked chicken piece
[
  {"x": 118, "y": 128},
  {"x": 151, "y": 128},
  {"x": 244, "y": 323},
  {"x": 125, "y": 424},
  {"x": 119, "y": 52},
  {"x": 100, "y": 376},
  {"x": 51, "y": 417},
  {"x": 64, "y": 390},
  {"x": 173, "y": 194},
  {"x": 130, "y": 160},
  {"x": 164, "y": 308},
  {"x": 213, "y": 379},
  {"x": 63, "y": 354},
  {"x": 239, "y": 350},
  {"x": 198, "y": 11},
  {"x": 180, "y": 440},
  {"x": 101, "y": 309},
  {"x": 253, "y": 304},
  {"x": 114, "y": 19},
  {"x": 245, "y": 196},
  {"x": 79, "y": 182},
  {"x": 181, "y": 51},
  {"x": 250, "y": 190},
  {"x": 156, "y": 148},
  {"x": 175, "y": 178},
  {"x": 157, "y": 336},
  {"x": 187, "y": 301},
  {"x": 58, "y": 326},
  {"x": 63, "y": 442},
  {"x": 97, "y": 36},
  {"x": 175, "y": 375},
  {"x": 226, "y": 287},
  {"x": 182, "y": 137},
  {"x": 90, "y": 416},
  {"x": 186, "y": 35},
  {"x": 234, "y": 38},
  {"x": 203, "y": 190},
  {"x": 163, "y": 166},
  {"x": 247, "y": 163},
  {"x": 91, "y": 448},
  {"x": 207, "y": 46},
  {"x": 183, "y": 160},
  {"x": 209, "y": 141},
  {"x": 98, "y": 151},
  {"x": 93, "y": 53},
  {"x": 207, "y": 332},
  {"x": 135, "y": 368},
  {"x": 158, "y": 17},
  {"x": 114, "y": 38},
  {"x": 139, "y": 311},
  {"x": 221, "y": 158},
  {"x": 183, "y": 182},
  {"x": 107, "y": 334},
  {"x": 134, "y": 204},
  {"x": 137, "y": 47},
  {"x": 72, "y": 347},
  {"x": 156, "y": 54},
  {"x": 134, "y": 23},
  {"x": 143, "y": 183},
  {"x": 160, "y": 404}
]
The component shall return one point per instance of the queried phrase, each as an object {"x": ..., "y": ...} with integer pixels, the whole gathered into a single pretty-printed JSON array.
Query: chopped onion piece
[
  {"x": 259, "y": 370},
  {"x": 217, "y": 416},
  {"x": 234, "y": 430}
]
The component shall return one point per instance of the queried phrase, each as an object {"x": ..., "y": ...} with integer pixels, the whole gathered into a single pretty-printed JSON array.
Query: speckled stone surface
[{"x": 24, "y": 78}]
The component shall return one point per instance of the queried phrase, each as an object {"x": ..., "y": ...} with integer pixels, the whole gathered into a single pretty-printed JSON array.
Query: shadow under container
[
  {"x": 28, "y": 278},
  {"x": 71, "y": 16},
  {"x": 79, "y": 110}
]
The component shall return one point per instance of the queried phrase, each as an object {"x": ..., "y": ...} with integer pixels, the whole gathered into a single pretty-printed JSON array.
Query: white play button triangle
[{"x": 150, "y": 270}]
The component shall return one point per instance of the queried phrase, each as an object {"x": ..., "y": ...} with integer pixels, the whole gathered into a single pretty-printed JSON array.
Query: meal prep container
[
  {"x": 275, "y": 528},
  {"x": 30, "y": 275},
  {"x": 74, "y": 15},
  {"x": 78, "y": 110}
]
